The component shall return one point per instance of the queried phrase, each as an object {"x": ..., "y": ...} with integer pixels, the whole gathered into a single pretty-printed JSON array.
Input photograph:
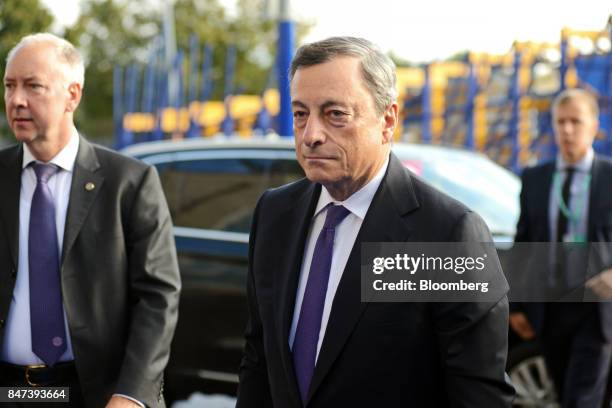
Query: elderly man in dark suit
[
  {"x": 88, "y": 267},
  {"x": 569, "y": 200},
  {"x": 310, "y": 341}
]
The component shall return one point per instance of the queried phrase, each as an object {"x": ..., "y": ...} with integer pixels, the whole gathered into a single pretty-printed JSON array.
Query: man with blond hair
[
  {"x": 88, "y": 271},
  {"x": 566, "y": 201}
]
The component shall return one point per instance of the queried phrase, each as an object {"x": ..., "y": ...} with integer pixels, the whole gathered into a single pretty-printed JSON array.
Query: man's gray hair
[
  {"x": 573, "y": 94},
  {"x": 378, "y": 69},
  {"x": 66, "y": 53}
]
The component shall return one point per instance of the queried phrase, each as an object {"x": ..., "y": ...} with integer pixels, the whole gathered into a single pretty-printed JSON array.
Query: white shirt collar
[
  {"x": 358, "y": 202},
  {"x": 584, "y": 165},
  {"x": 66, "y": 157}
]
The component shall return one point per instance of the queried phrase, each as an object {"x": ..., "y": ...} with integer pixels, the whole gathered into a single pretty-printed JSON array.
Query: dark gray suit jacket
[
  {"x": 119, "y": 274},
  {"x": 533, "y": 226},
  {"x": 373, "y": 354}
]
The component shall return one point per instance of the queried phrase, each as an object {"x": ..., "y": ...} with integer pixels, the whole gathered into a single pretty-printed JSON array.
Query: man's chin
[
  {"x": 573, "y": 157},
  {"x": 317, "y": 179},
  {"x": 25, "y": 136},
  {"x": 324, "y": 179}
]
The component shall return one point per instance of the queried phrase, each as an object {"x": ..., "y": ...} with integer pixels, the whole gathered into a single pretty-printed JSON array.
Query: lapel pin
[{"x": 90, "y": 186}]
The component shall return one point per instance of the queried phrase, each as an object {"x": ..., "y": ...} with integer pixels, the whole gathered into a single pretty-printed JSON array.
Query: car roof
[
  {"x": 272, "y": 142},
  {"x": 217, "y": 142}
]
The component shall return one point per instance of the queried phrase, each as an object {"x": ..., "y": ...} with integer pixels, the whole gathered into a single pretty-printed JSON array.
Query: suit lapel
[
  {"x": 286, "y": 281},
  {"x": 384, "y": 222},
  {"x": 81, "y": 198},
  {"x": 10, "y": 185},
  {"x": 544, "y": 187}
]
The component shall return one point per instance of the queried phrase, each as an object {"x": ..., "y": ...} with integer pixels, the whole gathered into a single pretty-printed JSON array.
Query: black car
[{"x": 212, "y": 187}]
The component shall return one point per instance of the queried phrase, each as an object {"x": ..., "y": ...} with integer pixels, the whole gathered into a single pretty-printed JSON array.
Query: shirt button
[
  {"x": 13, "y": 273},
  {"x": 1, "y": 322}
]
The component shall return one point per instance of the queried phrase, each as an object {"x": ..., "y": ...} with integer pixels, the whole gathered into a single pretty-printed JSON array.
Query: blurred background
[
  {"x": 476, "y": 75},
  {"x": 205, "y": 81}
]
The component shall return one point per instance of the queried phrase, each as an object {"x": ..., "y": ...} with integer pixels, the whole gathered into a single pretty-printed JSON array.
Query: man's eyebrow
[
  {"x": 298, "y": 104},
  {"x": 323, "y": 106},
  {"x": 332, "y": 102},
  {"x": 26, "y": 79}
]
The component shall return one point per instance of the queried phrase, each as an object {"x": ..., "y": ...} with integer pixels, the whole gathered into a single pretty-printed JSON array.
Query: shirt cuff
[{"x": 130, "y": 398}]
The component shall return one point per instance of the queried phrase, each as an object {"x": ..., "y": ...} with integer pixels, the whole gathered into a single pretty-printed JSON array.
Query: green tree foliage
[
  {"x": 256, "y": 37},
  {"x": 19, "y": 18},
  {"x": 253, "y": 36},
  {"x": 460, "y": 56},
  {"x": 109, "y": 32},
  {"x": 123, "y": 32}
]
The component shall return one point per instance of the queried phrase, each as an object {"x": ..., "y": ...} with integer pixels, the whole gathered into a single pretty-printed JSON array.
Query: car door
[{"x": 212, "y": 194}]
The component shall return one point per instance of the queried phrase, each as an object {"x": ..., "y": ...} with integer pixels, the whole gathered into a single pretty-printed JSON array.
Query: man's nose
[
  {"x": 566, "y": 127},
  {"x": 17, "y": 98},
  {"x": 314, "y": 132}
]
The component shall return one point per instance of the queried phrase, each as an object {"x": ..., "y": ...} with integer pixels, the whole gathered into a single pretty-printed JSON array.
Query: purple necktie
[
  {"x": 309, "y": 323},
  {"x": 46, "y": 313}
]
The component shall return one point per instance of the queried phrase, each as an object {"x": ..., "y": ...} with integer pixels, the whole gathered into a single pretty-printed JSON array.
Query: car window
[
  {"x": 221, "y": 194},
  {"x": 482, "y": 187},
  {"x": 480, "y": 184}
]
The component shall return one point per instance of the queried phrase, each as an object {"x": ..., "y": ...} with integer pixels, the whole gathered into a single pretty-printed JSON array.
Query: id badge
[{"x": 574, "y": 238}]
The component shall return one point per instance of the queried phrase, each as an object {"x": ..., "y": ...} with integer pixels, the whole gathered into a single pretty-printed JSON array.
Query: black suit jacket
[
  {"x": 119, "y": 274},
  {"x": 533, "y": 225},
  {"x": 373, "y": 354}
]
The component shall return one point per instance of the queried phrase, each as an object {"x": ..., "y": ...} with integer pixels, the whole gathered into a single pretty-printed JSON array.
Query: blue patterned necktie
[
  {"x": 46, "y": 313},
  {"x": 309, "y": 323}
]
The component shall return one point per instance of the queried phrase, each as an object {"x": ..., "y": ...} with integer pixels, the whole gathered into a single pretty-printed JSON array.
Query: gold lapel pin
[{"x": 90, "y": 186}]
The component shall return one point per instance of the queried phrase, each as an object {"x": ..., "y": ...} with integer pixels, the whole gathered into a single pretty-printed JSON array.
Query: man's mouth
[{"x": 318, "y": 157}]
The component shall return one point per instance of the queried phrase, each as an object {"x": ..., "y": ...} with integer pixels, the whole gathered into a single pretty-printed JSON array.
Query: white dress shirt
[
  {"x": 17, "y": 346},
  {"x": 579, "y": 198},
  {"x": 358, "y": 204}
]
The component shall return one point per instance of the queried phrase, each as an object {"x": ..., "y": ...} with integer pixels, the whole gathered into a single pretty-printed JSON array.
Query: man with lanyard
[{"x": 569, "y": 201}]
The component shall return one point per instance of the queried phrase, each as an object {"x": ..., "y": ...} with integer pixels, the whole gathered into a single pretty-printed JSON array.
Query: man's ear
[
  {"x": 390, "y": 121},
  {"x": 74, "y": 96}
]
